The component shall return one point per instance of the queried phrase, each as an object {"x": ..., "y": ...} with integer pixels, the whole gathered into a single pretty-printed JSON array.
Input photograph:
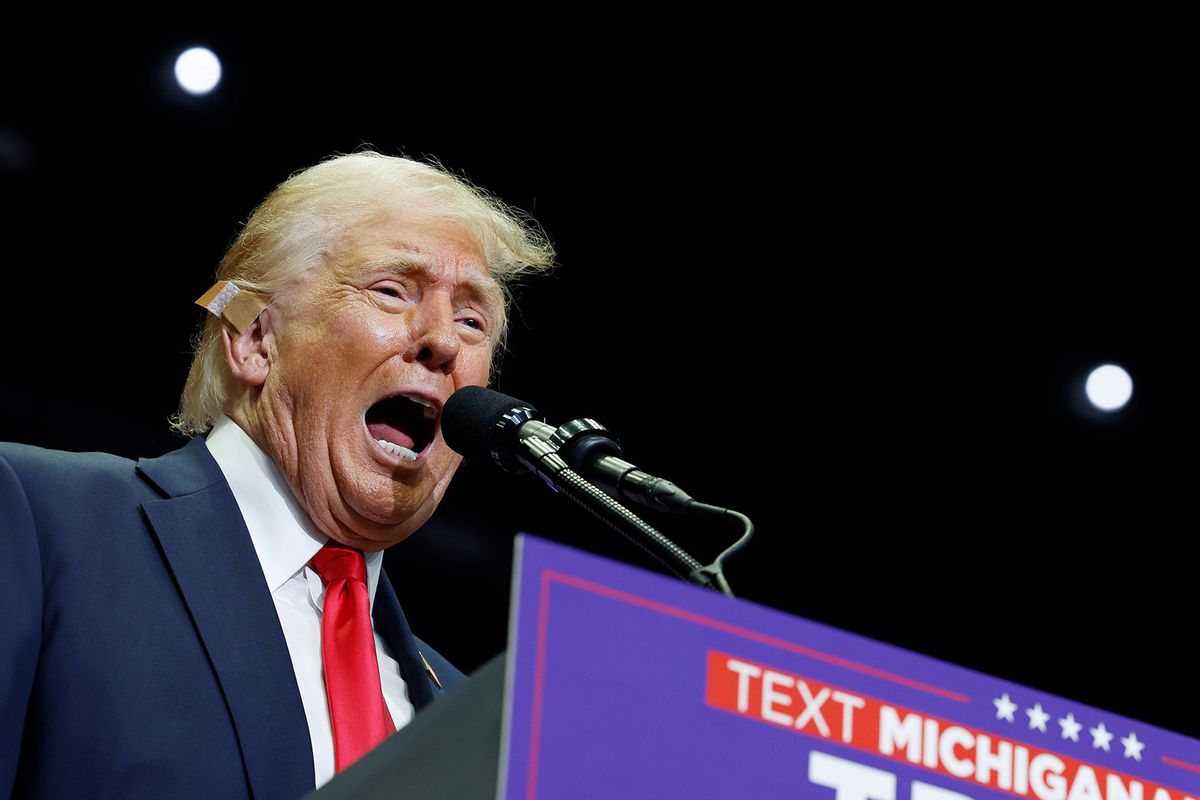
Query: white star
[
  {"x": 1070, "y": 727},
  {"x": 1133, "y": 748},
  {"x": 1100, "y": 736},
  {"x": 1004, "y": 707},
  {"x": 1037, "y": 717}
]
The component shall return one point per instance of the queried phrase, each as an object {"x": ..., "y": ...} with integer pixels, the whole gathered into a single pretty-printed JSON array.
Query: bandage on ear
[{"x": 239, "y": 307}]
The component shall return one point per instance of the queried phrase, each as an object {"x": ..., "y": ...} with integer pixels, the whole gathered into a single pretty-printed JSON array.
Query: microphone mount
[
  {"x": 541, "y": 457},
  {"x": 517, "y": 442}
]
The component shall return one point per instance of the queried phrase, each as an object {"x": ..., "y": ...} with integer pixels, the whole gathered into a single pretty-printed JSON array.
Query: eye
[
  {"x": 388, "y": 290},
  {"x": 473, "y": 322}
]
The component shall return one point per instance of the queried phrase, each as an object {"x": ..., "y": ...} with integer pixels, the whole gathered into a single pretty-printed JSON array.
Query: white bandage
[
  {"x": 216, "y": 306},
  {"x": 237, "y": 306}
]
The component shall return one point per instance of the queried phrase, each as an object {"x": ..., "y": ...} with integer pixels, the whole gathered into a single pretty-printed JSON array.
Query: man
[{"x": 175, "y": 627}]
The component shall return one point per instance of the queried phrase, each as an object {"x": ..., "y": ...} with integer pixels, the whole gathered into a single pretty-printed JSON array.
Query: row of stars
[{"x": 1101, "y": 736}]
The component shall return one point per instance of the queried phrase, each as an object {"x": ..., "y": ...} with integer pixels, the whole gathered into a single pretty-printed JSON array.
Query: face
[{"x": 363, "y": 356}]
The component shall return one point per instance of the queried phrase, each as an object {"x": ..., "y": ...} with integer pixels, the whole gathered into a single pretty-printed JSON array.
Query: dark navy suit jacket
[{"x": 140, "y": 651}]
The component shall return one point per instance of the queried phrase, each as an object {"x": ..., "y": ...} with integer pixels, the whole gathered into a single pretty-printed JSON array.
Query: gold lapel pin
[{"x": 429, "y": 669}]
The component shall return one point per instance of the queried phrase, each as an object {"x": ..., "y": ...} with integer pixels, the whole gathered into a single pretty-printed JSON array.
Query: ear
[{"x": 250, "y": 353}]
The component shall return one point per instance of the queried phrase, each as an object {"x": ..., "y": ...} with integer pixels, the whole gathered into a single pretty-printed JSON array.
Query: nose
[{"x": 435, "y": 341}]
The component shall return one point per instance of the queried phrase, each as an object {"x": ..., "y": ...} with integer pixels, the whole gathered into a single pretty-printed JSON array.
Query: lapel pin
[{"x": 429, "y": 669}]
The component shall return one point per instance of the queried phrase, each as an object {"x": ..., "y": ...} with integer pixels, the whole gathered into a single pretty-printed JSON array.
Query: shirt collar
[{"x": 284, "y": 537}]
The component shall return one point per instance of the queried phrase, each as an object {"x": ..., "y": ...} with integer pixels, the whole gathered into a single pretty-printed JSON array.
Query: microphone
[{"x": 480, "y": 422}]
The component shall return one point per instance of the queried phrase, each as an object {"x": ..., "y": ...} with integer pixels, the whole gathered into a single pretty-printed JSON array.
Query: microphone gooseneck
[{"x": 482, "y": 423}]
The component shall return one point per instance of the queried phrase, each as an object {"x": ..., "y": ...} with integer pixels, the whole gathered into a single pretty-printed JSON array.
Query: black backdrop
[{"x": 849, "y": 289}]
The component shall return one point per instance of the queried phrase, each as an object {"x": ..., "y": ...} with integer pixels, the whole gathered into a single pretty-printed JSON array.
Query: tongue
[{"x": 390, "y": 433}]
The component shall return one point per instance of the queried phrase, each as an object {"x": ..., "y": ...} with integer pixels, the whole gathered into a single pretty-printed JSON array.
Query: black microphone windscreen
[{"x": 470, "y": 417}]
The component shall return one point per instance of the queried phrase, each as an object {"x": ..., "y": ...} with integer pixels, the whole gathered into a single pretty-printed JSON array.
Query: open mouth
[{"x": 403, "y": 426}]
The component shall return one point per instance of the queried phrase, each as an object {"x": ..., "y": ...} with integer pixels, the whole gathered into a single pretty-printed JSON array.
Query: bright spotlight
[
  {"x": 198, "y": 70},
  {"x": 1109, "y": 387}
]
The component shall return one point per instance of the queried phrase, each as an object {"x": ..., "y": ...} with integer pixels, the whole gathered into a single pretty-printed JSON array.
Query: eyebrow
[{"x": 407, "y": 261}]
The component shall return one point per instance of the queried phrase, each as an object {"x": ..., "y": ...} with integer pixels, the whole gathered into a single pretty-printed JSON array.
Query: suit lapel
[
  {"x": 209, "y": 552},
  {"x": 392, "y": 625}
]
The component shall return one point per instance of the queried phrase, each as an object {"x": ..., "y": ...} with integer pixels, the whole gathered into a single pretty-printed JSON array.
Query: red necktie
[{"x": 357, "y": 711}]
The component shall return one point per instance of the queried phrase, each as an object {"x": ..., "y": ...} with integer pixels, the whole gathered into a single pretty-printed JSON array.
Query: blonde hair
[{"x": 299, "y": 228}]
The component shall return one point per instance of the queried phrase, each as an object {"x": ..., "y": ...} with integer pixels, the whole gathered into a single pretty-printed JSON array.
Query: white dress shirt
[{"x": 285, "y": 539}]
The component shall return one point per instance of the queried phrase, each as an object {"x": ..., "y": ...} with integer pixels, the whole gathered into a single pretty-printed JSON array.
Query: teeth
[
  {"x": 421, "y": 400},
  {"x": 430, "y": 411},
  {"x": 397, "y": 450}
]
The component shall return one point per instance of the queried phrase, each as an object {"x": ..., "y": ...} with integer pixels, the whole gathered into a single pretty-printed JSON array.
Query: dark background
[{"x": 849, "y": 284}]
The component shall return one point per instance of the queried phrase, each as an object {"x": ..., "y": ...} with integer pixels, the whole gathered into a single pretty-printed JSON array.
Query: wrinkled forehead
[
  {"x": 423, "y": 235},
  {"x": 422, "y": 247}
]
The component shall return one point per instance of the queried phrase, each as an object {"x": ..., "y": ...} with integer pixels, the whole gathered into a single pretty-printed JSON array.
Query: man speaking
[{"x": 214, "y": 622}]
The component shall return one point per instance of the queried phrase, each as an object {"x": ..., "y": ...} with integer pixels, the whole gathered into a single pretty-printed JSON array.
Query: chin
[
  {"x": 377, "y": 535},
  {"x": 381, "y": 505},
  {"x": 382, "y": 521}
]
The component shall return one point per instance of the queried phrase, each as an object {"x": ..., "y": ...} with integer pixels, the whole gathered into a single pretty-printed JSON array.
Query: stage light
[
  {"x": 198, "y": 70},
  {"x": 1109, "y": 387}
]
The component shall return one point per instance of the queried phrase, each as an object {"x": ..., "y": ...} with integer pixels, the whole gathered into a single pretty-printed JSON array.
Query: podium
[
  {"x": 621, "y": 683},
  {"x": 450, "y": 750}
]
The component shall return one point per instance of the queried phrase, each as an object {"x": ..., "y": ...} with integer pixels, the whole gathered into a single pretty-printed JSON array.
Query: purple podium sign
[{"x": 622, "y": 683}]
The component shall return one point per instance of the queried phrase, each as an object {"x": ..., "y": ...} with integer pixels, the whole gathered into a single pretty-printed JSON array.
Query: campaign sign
[{"x": 625, "y": 684}]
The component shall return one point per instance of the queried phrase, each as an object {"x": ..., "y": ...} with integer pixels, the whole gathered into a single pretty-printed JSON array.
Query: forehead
[{"x": 437, "y": 249}]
